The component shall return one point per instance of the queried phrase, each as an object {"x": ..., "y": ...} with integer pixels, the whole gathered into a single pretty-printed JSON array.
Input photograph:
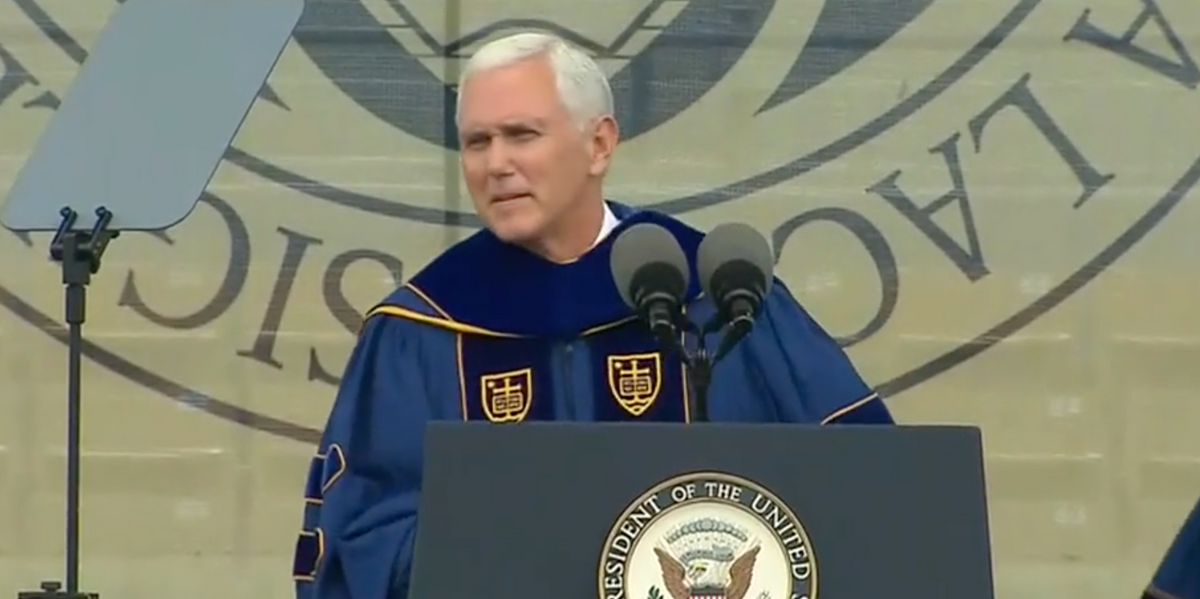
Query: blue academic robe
[
  {"x": 489, "y": 331},
  {"x": 1178, "y": 577}
]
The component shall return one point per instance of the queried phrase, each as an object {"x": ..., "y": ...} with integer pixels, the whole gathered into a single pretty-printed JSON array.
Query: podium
[{"x": 702, "y": 511}]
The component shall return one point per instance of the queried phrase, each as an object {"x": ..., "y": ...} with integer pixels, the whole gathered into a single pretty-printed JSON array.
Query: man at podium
[{"x": 522, "y": 321}]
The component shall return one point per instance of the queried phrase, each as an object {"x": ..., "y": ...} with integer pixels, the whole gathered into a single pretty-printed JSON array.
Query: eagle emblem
[
  {"x": 707, "y": 535},
  {"x": 707, "y": 559}
]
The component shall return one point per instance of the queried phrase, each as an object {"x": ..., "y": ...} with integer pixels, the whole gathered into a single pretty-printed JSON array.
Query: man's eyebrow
[
  {"x": 505, "y": 127},
  {"x": 474, "y": 133},
  {"x": 534, "y": 123}
]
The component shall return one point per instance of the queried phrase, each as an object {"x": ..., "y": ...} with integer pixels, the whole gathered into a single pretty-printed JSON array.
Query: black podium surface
[{"x": 712, "y": 511}]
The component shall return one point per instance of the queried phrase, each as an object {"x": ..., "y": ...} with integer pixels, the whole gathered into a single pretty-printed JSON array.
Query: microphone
[
  {"x": 650, "y": 271},
  {"x": 736, "y": 268}
]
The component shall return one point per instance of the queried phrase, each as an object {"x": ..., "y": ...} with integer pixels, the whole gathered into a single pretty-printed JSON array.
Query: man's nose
[{"x": 499, "y": 161}]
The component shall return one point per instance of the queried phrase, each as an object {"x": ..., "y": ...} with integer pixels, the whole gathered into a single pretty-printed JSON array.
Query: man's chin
[{"x": 520, "y": 233}]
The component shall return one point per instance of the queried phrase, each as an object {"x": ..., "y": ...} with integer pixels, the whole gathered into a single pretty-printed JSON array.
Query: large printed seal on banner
[{"x": 934, "y": 181}]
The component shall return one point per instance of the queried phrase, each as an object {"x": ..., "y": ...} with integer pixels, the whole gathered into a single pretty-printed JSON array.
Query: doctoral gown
[{"x": 489, "y": 331}]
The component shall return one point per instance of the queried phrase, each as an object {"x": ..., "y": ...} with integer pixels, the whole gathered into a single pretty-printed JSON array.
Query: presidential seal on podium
[{"x": 708, "y": 535}]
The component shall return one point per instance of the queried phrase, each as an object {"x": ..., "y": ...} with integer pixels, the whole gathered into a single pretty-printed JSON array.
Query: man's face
[{"x": 525, "y": 161}]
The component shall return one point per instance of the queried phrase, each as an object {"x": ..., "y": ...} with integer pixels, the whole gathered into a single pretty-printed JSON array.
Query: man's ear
[{"x": 605, "y": 137}]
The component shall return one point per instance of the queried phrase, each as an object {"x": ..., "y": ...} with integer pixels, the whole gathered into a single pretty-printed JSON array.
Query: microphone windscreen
[
  {"x": 641, "y": 245},
  {"x": 731, "y": 242}
]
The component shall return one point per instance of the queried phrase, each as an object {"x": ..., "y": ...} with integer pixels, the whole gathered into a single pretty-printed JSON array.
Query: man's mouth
[{"x": 500, "y": 199}]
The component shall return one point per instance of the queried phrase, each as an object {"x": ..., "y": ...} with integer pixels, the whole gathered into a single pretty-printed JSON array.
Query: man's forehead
[
  {"x": 516, "y": 93},
  {"x": 533, "y": 74}
]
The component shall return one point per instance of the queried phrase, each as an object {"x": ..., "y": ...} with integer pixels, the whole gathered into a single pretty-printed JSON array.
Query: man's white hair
[{"x": 582, "y": 86}]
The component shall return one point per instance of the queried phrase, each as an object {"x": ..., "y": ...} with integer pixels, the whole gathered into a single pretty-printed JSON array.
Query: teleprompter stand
[
  {"x": 79, "y": 253},
  {"x": 133, "y": 145}
]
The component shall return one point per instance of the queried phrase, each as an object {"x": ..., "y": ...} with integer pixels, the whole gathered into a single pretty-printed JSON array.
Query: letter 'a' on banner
[{"x": 135, "y": 141}]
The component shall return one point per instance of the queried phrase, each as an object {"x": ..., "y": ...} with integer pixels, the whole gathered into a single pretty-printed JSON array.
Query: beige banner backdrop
[{"x": 992, "y": 202}]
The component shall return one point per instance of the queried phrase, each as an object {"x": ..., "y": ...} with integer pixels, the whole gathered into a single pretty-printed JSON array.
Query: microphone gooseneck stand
[{"x": 701, "y": 361}]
